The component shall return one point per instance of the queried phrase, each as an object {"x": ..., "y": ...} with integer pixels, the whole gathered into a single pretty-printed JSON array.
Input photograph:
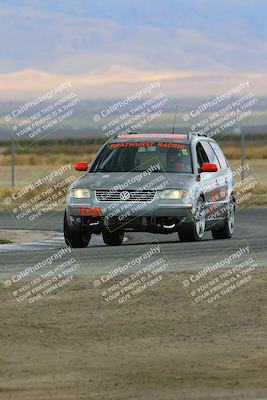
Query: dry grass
[
  {"x": 32, "y": 162},
  {"x": 254, "y": 150},
  {"x": 5, "y": 241},
  {"x": 51, "y": 154},
  {"x": 26, "y": 174},
  {"x": 44, "y": 159}
]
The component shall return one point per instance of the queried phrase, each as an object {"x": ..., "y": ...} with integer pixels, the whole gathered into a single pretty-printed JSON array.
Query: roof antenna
[{"x": 174, "y": 122}]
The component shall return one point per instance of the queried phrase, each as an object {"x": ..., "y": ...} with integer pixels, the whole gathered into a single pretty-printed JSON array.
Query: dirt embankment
[
  {"x": 24, "y": 236},
  {"x": 72, "y": 347}
]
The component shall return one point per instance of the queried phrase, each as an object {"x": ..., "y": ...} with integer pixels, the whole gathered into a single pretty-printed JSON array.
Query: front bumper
[
  {"x": 161, "y": 216},
  {"x": 160, "y": 207}
]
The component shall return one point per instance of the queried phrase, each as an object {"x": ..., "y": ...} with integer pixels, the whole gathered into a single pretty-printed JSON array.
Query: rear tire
[
  {"x": 75, "y": 237},
  {"x": 226, "y": 231},
  {"x": 113, "y": 238},
  {"x": 194, "y": 231}
]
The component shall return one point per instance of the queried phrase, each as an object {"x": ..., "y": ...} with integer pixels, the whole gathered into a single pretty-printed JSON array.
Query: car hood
[{"x": 99, "y": 180}]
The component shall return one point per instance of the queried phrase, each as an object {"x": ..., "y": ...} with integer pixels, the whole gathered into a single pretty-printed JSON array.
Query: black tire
[
  {"x": 226, "y": 231},
  {"x": 113, "y": 238},
  {"x": 192, "y": 232},
  {"x": 75, "y": 237}
]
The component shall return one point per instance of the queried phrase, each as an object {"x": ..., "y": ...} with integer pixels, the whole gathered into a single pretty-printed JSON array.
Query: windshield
[{"x": 139, "y": 156}]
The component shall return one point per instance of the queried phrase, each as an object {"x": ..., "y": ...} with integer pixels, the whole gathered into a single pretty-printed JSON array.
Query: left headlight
[
  {"x": 80, "y": 193},
  {"x": 174, "y": 194}
]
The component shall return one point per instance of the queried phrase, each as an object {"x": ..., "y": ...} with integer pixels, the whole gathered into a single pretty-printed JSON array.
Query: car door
[
  {"x": 209, "y": 181},
  {"x": 225, "y": 172}
]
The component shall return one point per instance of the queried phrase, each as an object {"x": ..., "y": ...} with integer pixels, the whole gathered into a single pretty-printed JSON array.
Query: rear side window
[
  {"x": 201, "y": 155},
  {"x": 219, "y": 154}
]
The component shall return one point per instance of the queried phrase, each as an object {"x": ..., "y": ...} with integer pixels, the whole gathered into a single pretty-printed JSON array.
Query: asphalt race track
[{"x": 251, "y": 225}]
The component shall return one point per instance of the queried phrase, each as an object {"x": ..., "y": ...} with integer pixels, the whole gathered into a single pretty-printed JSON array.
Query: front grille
[{"x": 125, "y": 195}]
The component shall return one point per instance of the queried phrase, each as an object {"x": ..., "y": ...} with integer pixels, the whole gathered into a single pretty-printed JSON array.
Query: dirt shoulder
[
  {"x": 23, "y": 236},
  {"x": 72, "y": 347}
]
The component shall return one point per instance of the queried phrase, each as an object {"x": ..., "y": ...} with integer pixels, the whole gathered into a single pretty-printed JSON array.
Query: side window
[
  {"x": 201, "y": 155},
  {"x": 210, "y": 153},
  {"x": 217, "y": 150}
]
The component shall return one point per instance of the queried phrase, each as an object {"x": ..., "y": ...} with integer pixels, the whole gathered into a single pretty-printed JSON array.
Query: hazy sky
[{"x": 104, "y": 46}]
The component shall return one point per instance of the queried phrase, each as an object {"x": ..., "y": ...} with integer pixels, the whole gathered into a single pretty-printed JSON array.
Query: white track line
[{"x": 56, "y": 241}]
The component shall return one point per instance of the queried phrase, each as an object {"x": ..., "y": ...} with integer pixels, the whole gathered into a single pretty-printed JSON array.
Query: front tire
[
  {"x": 226, "y": 231},
  {"x": 195, "y": 230},
  {"x": 113, "y": 238},
  {"x": 75, "y": 237}
]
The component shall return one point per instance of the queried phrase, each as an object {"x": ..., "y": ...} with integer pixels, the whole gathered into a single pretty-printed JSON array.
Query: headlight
[
  {"x": 80, "y": 193},
  {"x": 174, "y": 194}
]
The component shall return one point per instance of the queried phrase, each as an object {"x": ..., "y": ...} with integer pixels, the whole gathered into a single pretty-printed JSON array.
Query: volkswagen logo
[{"x": 124, "y": 196}]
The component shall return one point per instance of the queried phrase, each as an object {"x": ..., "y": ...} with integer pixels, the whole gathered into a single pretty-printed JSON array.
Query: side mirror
[
  {"x": 81, "y": 166},
  {"x": 209, "y": 167}
]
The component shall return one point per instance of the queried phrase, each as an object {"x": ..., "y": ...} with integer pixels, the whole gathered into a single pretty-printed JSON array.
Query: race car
[{"x": 157, "y": 183}]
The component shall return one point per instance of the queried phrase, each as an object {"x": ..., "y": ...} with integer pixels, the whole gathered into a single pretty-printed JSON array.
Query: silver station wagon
[{"x": 158, "y": 183}]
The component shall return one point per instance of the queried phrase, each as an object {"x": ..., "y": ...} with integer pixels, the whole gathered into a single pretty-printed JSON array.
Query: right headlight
[
  {"x": 174, "y": 194},
  {"x": 80, "y": 193}
]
